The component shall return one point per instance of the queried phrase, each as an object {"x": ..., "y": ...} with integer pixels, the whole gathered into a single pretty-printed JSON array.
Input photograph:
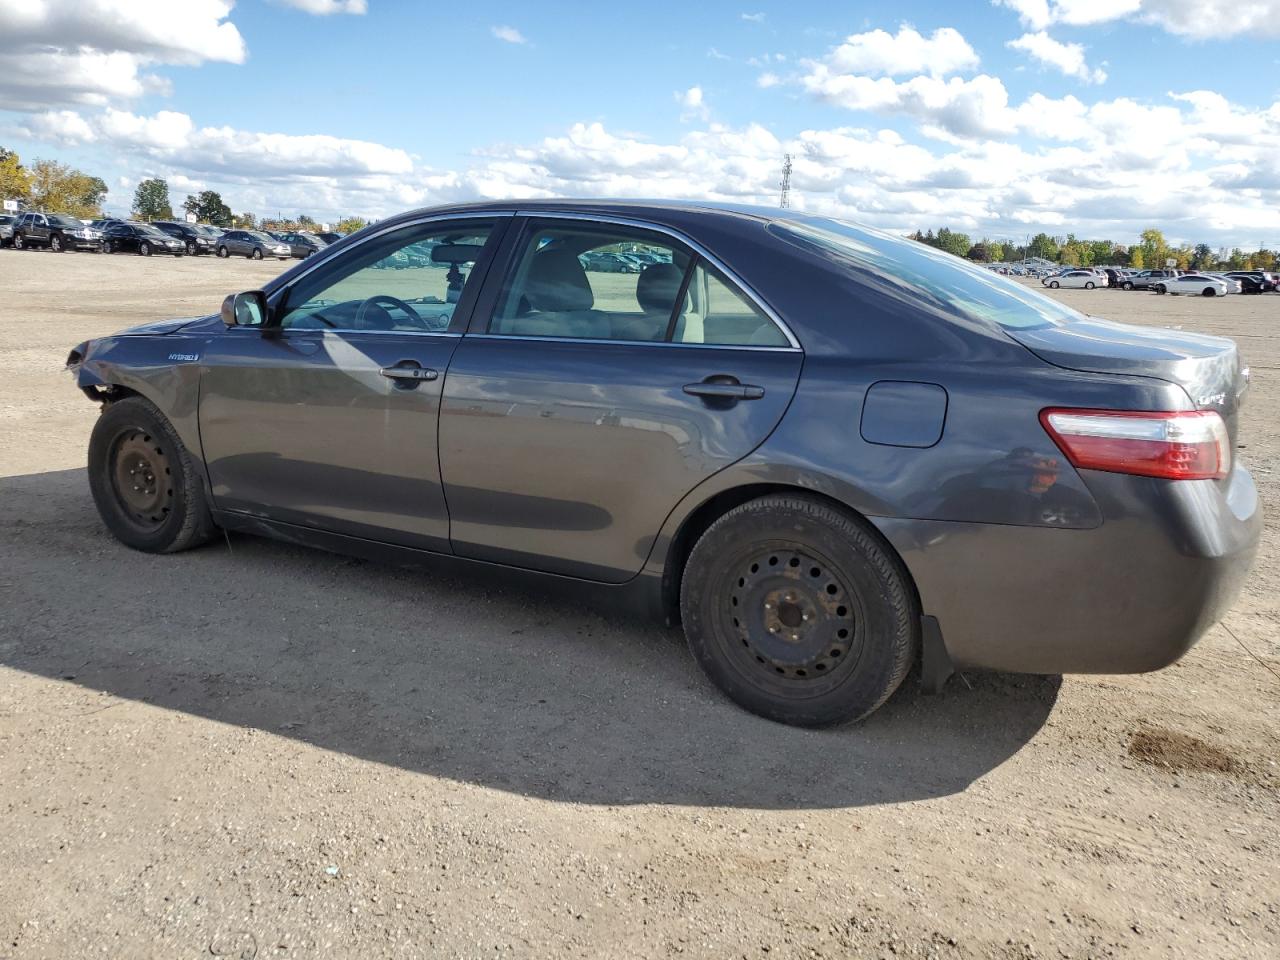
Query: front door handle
[
  {"x": 407, "y": 372},
  {"x": 723, "y": 388}
]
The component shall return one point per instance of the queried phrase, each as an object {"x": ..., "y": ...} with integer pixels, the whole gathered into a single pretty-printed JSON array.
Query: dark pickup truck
[{"x": 57, "y": 231}]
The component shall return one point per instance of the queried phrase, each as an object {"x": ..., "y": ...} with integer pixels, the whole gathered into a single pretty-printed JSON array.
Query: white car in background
[
  {"x": 1077, "y": 279},
  {"x": 1192, "y": 284},
  {"x": 1233, "y": 285}
]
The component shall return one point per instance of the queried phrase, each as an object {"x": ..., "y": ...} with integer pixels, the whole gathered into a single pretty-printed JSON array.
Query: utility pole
[{"x": 785, "y": 200}]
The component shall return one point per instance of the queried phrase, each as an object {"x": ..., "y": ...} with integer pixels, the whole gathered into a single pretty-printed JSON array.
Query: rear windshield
[{"x": 953, "y": 284}]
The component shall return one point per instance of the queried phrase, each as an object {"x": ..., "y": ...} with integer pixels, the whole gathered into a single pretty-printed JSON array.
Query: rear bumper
[{"x": 1131, "y": 595}]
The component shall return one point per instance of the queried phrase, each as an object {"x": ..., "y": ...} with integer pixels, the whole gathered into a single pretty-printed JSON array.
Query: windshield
[
  {"x": 953, "y": 284},
  {"x": 207, "y": 231},
  {"x": 264, "y": 237},
  {"x": 60, "y": 221}
]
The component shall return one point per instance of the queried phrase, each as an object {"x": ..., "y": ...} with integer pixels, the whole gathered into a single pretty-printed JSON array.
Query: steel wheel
[
  {"x": 18, "y": 243},
  {"x": 796, "y": 620},
  {"x": 142, "y": 480},
  {"x": 257, "y": 253},
  {"x": 223, "y": 252},
  {"x": 55, "y": 243}
]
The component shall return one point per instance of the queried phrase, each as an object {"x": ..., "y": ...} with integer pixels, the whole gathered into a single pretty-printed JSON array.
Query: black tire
[
  {"x": 144, "y": 249},
  {"x": 1159, "y": 288},
  {"x": 1089, "y": 284},
  {"x": 223, "y": 252},
  {"x": 56, "y": 244},
  {"x": 257, "y": 253},
  {"x": 191, "y": 248},
  {"x": 798, "y": 612},
  {"x": 1209, "y": 292},
  {"x": 1128, "y": 285},
  {"x": 132, "y": 435}
]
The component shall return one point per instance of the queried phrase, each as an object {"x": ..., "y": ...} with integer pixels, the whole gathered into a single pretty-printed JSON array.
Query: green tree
[
  {"x": 1043, "y": 245},
  {"x": 1069, "y": 256},
  {"x": 208, "y": 207},
  {"x": 1155, "y": 251},
  {"x": 1101, "y": 252},
  {"x": 995, "y": 251},
  {"x": 1202, "y": 257},
  {"x": 979, "y": 252},
  {"x": 151, "y": 200},
  {"x": 955, "y": 243},
  {"x": 350, "y": 224},
  {"x": 58, "y": 188},
  {"x": 1136, "y": 260},
  {"x": 15, "y": 181}
]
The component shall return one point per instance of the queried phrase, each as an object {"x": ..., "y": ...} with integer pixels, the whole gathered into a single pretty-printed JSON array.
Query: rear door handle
[{"x": 727, "y": 388}]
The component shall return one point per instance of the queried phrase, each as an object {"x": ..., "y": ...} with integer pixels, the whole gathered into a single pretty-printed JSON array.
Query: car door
[
  {"x": 326, "y": 416},
  {"x": 583, "y": 404}
]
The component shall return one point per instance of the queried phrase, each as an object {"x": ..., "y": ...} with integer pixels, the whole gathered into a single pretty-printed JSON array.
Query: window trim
[{"x": 698, "y": 250}]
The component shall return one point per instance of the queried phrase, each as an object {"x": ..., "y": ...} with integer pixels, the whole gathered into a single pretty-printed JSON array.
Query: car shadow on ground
[{"x": 452, "y": 678}]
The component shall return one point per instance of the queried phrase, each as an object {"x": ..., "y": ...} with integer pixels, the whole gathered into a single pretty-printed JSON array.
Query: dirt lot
[{"x": 252, "y": 750}]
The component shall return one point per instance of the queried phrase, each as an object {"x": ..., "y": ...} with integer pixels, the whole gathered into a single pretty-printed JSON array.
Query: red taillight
[{"x": 1181, "y": 445}]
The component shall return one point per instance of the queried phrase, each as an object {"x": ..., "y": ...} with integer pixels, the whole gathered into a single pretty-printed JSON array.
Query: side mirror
[{"x": 248, "y": 309}]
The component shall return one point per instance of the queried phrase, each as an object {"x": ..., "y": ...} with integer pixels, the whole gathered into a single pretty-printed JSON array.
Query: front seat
[{"x": 559, "y": 295}]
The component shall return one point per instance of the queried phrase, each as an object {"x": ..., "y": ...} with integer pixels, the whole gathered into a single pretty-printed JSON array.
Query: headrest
[
  {"x": 557, "y": 282},
  {"x": 658, "y": 286}
]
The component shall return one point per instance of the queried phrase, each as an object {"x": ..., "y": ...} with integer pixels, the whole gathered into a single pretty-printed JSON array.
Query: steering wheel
[{"x": 381, "y": 301}]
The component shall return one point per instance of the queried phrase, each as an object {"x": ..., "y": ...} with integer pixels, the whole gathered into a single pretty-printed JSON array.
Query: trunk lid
[{"x": 1207, "y": 367}]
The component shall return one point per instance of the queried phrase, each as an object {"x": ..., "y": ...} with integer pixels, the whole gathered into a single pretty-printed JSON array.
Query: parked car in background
[
  {"x": 610, "y": 263},
  {"x": 1253, "y": 281},
  {"x": 1232, "y": 284},
  {"x": 330, "y": 236},
  {"x": 303, "y": 244},
  {"x": 828, "y": 451},
  {"x": 197, "y": 238},
  {"x": 56, "y": 231},
  {"x": 254, "y": 244},
  {"x": 1079, "y": 279},
  {"x": 1195, "y": 284},
  {"x": 1147, "y": 279},
  {"x": 128, "y": 236},
  {"x": 101, "y": 224},
  {"x": 6, "y": 228}
]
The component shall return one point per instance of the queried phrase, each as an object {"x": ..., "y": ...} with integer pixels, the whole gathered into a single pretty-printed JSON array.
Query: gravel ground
[{"x": 252, "y": 750}]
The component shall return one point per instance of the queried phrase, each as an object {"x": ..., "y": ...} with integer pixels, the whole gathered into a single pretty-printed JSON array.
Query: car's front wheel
[
  {"x": 797, "y": 611},
  {"x": 55, "y": 243},
  {"x": 1209, "y": 292},
  {"x": 223, "y": 252},
  {"x": 18, "y": 242},
  {"x": 1128, "y": 285},
  {"x": 144, "y": 249},
  {"x": 1089, "y": 285},
  {"x": 146, "y": 485},
  {"x": 1053, "y": 284}
]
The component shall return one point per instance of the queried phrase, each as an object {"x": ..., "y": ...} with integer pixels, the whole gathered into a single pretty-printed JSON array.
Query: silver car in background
[{"x": 253, "y": 244}]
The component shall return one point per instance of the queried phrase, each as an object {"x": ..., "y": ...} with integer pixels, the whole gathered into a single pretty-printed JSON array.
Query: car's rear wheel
[
  {"x": 146, "y": 485},
  {"x": 144, "y": 249},
  {"x": 223, "y": 252},
  {"x": 797, "y": 611},
  {"x": 257, "y": 253}
]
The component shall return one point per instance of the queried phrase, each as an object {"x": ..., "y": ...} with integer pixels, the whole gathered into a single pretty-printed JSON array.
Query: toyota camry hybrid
[{"x": 828, "y": 452}]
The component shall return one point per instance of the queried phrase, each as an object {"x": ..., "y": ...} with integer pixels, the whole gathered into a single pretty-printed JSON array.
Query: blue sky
[{"x": 1093, "y": 116}]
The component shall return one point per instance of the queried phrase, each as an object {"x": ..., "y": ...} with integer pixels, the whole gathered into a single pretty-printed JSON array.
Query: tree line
[
  {"x": 1150, "y": 252},
  {"x": 53, "y": 187}
]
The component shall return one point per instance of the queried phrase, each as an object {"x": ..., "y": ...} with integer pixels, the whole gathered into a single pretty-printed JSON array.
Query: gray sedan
[
  {"x": 253, "y": 244},
  {"x": 828, "y": 452}
]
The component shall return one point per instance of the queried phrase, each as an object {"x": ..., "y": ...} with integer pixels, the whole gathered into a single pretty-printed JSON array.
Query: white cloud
[
  {"x": 693, "y": 105},
  {"x": 508, "y": 34},
  {"x": 715, "y": 54},
  {"x": 1197, "y": 19},
  {"x": 753, "y": 17},
  {"x": 766, "y": 80},
  {"x": 324, "y": 8},
  {"x": 1066, "y": 57},
  {"x": 94, "y": 51},
  {"x": 878, "y": 53}
]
